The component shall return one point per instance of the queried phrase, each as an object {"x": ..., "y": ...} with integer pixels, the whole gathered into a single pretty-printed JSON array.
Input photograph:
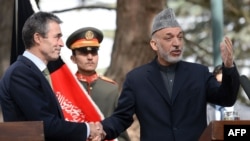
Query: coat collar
[{"x": 154, "y": 76}]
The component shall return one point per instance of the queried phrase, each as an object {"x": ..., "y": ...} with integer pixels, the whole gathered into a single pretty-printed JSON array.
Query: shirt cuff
[{"x": 88, "y": 130}]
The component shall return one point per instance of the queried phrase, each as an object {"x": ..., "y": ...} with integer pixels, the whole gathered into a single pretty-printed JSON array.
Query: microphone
[{"x": 245, "y": 83}]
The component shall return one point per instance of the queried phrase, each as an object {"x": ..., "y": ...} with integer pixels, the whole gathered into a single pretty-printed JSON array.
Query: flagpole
[{"x": 16, "y": 26}]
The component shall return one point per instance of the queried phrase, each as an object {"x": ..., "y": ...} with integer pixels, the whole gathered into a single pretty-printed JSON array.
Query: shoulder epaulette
[{"x": 107, "y": 79}]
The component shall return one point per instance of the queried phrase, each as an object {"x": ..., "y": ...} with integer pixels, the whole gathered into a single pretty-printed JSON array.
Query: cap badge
[
  {"x": 89, "y": 49},
  {"x": 89, "y": 35}
]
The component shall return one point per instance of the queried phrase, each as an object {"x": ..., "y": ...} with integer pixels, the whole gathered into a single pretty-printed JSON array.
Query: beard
[{"x": 167, "y": 56}]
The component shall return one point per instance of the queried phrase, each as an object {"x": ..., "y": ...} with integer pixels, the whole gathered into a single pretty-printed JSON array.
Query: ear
[
  {"x": 73, "y": 58},
  {"x": 153, "y": 45},
  {"x": 37, "y": 38}
]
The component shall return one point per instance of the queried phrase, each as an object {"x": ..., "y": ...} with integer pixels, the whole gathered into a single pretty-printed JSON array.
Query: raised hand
[{"x": 226, "y": 48}]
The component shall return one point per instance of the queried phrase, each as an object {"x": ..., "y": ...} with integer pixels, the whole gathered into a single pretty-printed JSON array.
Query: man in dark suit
[
  {"x": 168, "y": 95},
  {"x": 26, "y": 95}
]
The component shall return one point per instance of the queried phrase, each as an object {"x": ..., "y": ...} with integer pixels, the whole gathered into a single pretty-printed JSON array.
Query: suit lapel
[
  {"x": 180, "y": 77},
  {"x": 154, "y": 76},
  {"x": 35, "y": 69}
]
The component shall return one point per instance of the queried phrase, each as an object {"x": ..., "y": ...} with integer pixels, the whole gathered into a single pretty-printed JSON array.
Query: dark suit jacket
[
  {"x": 181, "y": 118},
  {"x": 105, "y": 95},
  {"x": 26, "y": 95}
]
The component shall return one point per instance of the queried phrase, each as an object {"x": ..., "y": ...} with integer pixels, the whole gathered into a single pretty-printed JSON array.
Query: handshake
[{"x": 96, "y": 132}]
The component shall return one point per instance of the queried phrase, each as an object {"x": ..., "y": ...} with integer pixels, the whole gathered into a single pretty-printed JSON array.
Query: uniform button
[
  {"x": 90, "y": 88},
  {"x": 175, "y": 128}
]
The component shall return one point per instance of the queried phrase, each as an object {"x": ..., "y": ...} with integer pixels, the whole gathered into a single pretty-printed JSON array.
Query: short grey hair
[{"x": 37, "y": 23}]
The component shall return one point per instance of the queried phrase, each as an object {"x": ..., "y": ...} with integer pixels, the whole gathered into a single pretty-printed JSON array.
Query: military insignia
[
  {"x": 107, "y": 79},
  {"x": 89, "y": 35},
  {"x": 89, "y": 48}
]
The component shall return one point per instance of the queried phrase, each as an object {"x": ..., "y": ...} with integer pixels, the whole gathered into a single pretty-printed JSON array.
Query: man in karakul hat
[
  {"x": 85, "y": 43},
  {"x": 169, "y": 95}
]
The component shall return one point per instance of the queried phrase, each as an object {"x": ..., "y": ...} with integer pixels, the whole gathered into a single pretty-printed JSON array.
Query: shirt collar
[
  {"x": 170, "y": 68},
  {"x": 85, "y": 78},
  {"x": 37, "y": 61}
]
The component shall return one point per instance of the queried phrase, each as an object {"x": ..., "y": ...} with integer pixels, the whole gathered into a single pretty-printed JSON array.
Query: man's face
[
  {"x": 50, "y": 45},
  {"x": 219, "y": 77},
  {"x": 85, "y": 60},
  {"x": 168, "y": 44}
]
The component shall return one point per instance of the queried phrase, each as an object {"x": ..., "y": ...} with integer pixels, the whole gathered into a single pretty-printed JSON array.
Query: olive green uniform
[{"x": 105, "y": 93}]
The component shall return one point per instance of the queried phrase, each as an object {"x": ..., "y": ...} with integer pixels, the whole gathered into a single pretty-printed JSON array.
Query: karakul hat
[{"x": 164, "y": 19}]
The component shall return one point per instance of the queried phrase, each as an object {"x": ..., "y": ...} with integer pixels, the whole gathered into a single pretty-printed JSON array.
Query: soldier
[{"x": 84, "y": 44}]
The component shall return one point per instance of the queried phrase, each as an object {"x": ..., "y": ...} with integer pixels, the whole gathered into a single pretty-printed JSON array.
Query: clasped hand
[{"x": 96, "y": 131}]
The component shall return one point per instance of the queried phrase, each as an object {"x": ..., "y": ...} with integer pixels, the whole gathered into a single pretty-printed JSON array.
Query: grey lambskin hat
[{"x": 164, "y": 19}]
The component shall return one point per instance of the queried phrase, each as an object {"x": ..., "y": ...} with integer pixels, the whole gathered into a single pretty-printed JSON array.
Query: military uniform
[{"x": 103, "y": 91}]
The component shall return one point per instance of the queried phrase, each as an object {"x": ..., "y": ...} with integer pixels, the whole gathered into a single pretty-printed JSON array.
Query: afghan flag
[{"x": 76, "y": 104}]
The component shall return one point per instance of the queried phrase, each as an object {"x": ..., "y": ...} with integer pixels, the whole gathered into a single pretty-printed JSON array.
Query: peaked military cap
[
  {"x": 166, "y": 18},
  {"x": 87, "y": 37}
]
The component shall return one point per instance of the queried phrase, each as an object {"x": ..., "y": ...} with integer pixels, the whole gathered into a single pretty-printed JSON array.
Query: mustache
[
  {"x": 90, "y": 62},
  {"x": 176, "y": 49}
]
